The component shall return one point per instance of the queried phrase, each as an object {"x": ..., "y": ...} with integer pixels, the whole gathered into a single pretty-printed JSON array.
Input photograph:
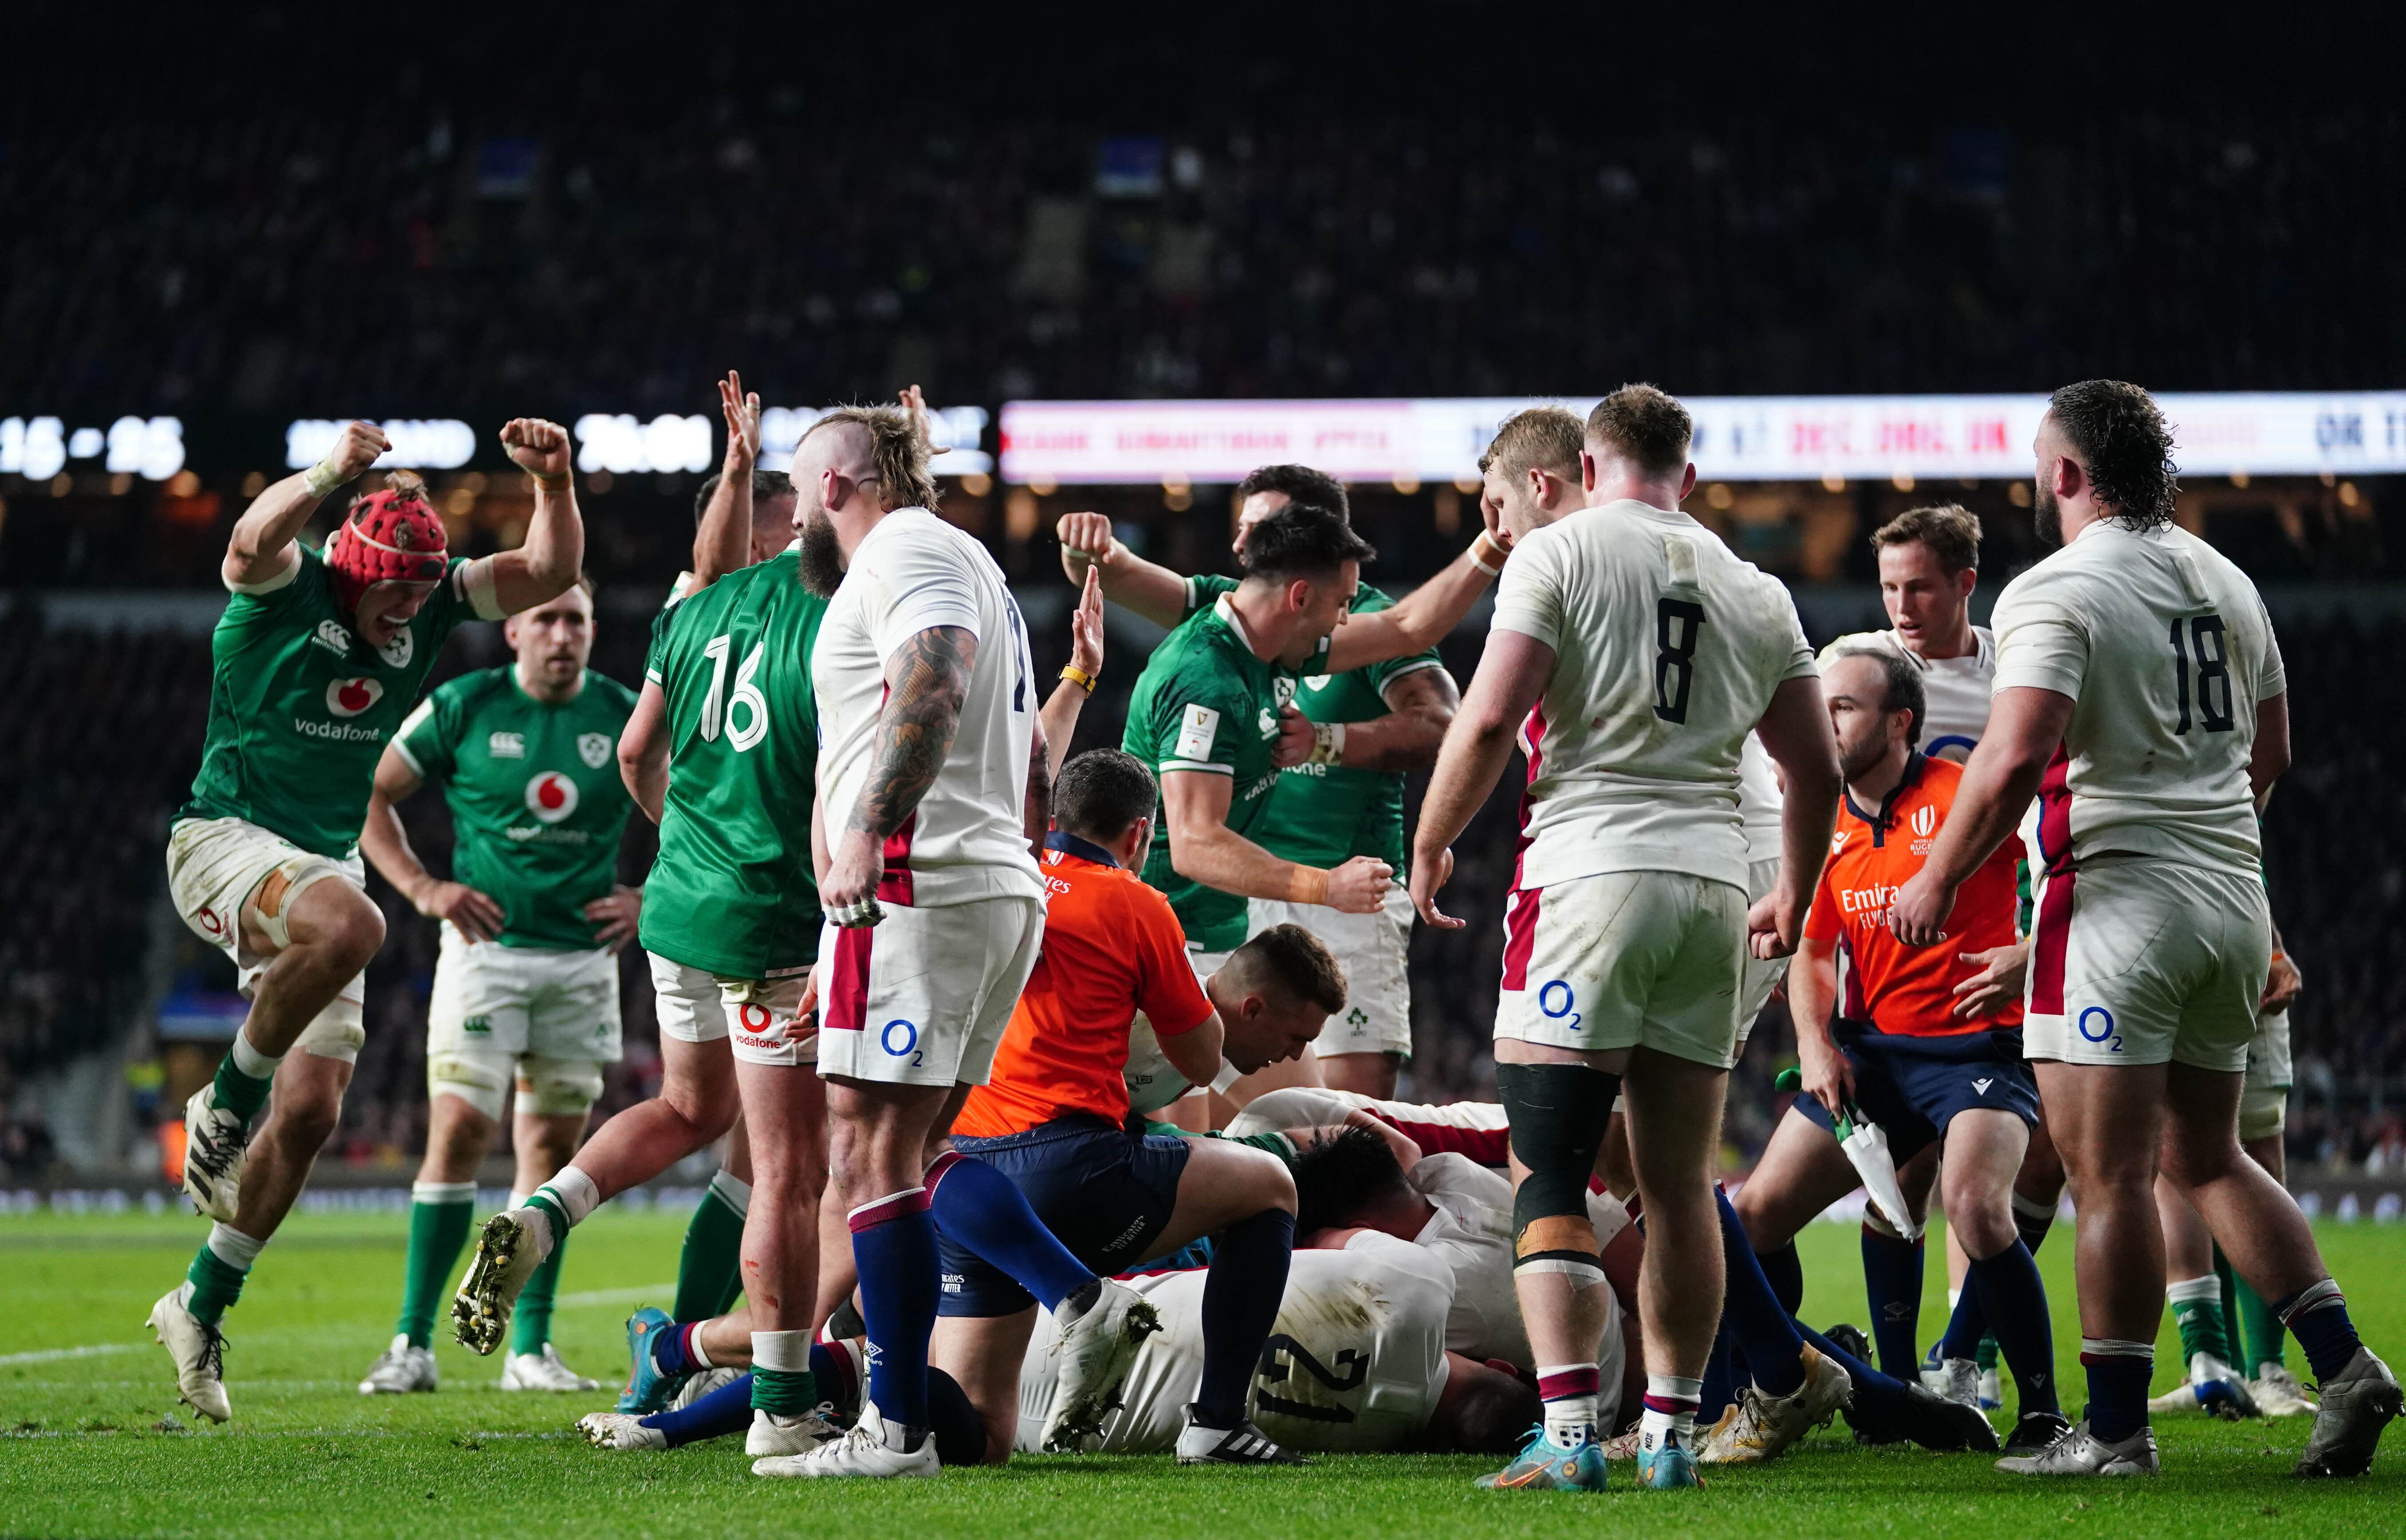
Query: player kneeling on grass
[
  {"x": 525, "y": 987},
  {"x": 1937, "y": 1077},
  {"x": 314, "y": 664},
  {"x": 1053, "y": 1117}
]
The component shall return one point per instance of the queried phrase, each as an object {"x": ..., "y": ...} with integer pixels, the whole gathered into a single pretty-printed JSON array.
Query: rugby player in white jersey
[
  {"x": 1356, "y": 1362},
  {"x": 2140, "y": 694},
  {"x": 935, "y": 793},
  {"x": 1641, "y": 651}
]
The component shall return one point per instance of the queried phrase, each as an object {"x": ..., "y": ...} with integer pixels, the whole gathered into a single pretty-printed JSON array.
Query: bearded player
[
  {"x": 526, "y": 986},
  {"x": 314, "y": 663}
]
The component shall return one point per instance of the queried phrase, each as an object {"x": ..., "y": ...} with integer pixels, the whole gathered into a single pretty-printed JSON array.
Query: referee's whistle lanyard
[{"x": 1884, "y": 821}]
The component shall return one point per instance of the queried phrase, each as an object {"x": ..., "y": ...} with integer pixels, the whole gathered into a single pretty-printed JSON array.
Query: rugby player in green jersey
[
  {"x": 314, "y": 664},
  {"x": 1375, "y": 708},
  {"x": 525, "y": 986}
]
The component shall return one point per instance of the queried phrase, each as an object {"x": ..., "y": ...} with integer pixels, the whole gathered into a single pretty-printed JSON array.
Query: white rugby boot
[
  {"x": 861, "y": 1452},
  {"x": 620, "y": 1430},
  {"x": 2076, "y": 1451},
  {"x": 401, "y": 1370},
  {"x": 1761, "y": 1427},
  {"x": 1243, "y": 1445},
  {"x": 215, "y": 1144},
  {"x": 1095, "y": 1352},
  {"x": 775, "y": 1433},
  {"x": 2214, "y": 1388},
  {"x": 509, "y": 1249},
  {"x": 542, "y": 1371},
  {"x": 1962, "y": 1386},
  {"x": 2358, "y": 1403},
  {"x": 2278, "y": 1392},
  {"x": 199, "y": 1352}
]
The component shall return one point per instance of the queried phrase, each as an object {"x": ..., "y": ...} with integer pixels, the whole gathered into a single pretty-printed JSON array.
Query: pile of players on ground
[{"x": 1058, "y": 1097}]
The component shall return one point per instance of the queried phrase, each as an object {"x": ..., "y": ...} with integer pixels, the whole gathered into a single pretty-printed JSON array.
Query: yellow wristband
[
  {"x": 1309, "y": 885},
  {"x": 1079, "y": 677}
]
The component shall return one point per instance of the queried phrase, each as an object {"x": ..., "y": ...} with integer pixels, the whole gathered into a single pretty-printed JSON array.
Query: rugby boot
[
  {"x": 508, "y": 1250},
  {"x": 2076, "y": 1451},
  {"x": 2033, "y": 1433},
  {"x": 1095, "y": 1352},
  {"x": 1667, "y": 1467},
  {"x": 620, "y": 1430},
  {"x": 215, "y": 1144},
  {"x": 542, "y": 1371},
  {"x": 648, "y": 1390},
  {"x": 1544, "y": 1465},
  {"x": 860, "y": 1452},
  {"x": 401, "y": 1370},
  {"x": 199, "y": 1351},
  {"x": 2358, "y": 1403},
  {"x": 772, "y": 1433},
  {"x": 1761, "y": 1427},
  {"x": 2278, "y": 1392},
  {"x": 1243, "y": 1445}
]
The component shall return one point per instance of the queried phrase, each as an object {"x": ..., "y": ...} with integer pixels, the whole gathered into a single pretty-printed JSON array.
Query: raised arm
[
  {"x": 722, "y": 543},
  {"x": 553, "y": 553},
  {"x": 1422, "y": 619},
  {"x": 261, "y": 547},
  {"x": 2025, "y": 729},
  {"x": 1059, "y": 720},
  {"x": 1149, "y": 588},
  {"x": 1512, "y": 675},
  {"x": 386, "y": 845},
  {"x": 1419, "y": 707},
  {"x": 1795, "y": 732},
  {"x": 643, "y": 751},
  {"x": 1204, "y": 849},
  {"x": 927, "y": 679}
]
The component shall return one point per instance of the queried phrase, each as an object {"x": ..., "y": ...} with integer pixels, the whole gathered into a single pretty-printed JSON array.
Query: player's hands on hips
[
  {"x": 470, "y": 913},
  {"x": 1771, "y": 926},
  {"x": 1431, "y": 871},
  {"x": 539, "y": 448},
  {"x": 1997, "y": 984},
  {"x": 2281, "y": 983},
  {"x": 1359, "y": 885},
  {"x": 1086, "y": 627},
  {"x": 615, "y": 918},
  {"x": 360, "y": 446},
  {"x": 743, "y": 414},
  {"x": 1295, "y": 739},
  {"x": 1085, "y": 543},
  {"x": 849, "y": 895},
  {"x": 1918, "y": 916},
  {"x": 1828, "y": 1078}
]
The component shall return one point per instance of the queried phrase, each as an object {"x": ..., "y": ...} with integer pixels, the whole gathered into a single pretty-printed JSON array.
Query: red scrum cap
[{"x": 391, "y": 536}]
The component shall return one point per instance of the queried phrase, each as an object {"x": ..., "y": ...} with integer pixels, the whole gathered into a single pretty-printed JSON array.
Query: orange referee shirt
[
  {"x": 1900, "y": 989},
  {"x": 1112, "y": 948}
]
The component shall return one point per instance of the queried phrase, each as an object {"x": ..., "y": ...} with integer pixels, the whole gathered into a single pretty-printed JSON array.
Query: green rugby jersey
[
  {"x": 300, "y": 707},
  {"x": 1322, "y": 815},
  {"x": 537, "y": 805},
  {"x": 1206, "y": 703},
  {"x": 732, "y": 891}
]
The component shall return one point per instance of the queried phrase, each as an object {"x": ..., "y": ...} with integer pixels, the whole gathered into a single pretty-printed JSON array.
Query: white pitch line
[
  {"x": 612, "y": 1297},
  {"x": 51, "y": 1355}
]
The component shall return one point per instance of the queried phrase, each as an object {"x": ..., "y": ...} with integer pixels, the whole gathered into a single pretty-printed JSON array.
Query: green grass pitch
[{"x": 83, "y": 1396}]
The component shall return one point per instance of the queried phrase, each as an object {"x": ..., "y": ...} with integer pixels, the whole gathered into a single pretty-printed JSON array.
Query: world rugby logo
[
  {"x": 351, "y": 697},
  {"x": 551, "y": 797},
  {"x": 1925, "y": 819}
]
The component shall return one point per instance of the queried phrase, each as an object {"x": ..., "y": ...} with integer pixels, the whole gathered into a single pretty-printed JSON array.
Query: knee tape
[
  {"x": 1558, "y": 1113},
  {"x": 557, "y": 1088},
  {"x": 271, "y": 902},
  {"x": 2262, "y": 1113},
  {"x": 480, "y": 1076}
]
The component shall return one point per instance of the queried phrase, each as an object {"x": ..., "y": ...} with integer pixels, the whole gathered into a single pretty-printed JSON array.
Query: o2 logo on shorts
[
  {"x": 900, "y": 1039},
  {"x": 2104, "y": 1020},
  {"x": 1554, "y": 1002}
]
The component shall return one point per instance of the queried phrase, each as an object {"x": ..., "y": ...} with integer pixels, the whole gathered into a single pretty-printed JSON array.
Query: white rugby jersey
[
  {"x": 1667, "y": 649},
  {"x": 2165, "y": 649},
  {"x": 1957, "y": 688},
  {"x": 1357, "y": 1361},
  {"x": 1758, "y": 800},
  {"x": 967, "y": 839}
]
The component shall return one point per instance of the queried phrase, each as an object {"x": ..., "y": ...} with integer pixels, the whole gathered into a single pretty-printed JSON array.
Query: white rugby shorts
[
  {"x": 221, "y": 868},
  {"x": 1626, "y": 959},
  {"x": 1759, "y": 978},
  {"x": 759, "y": 1016},
  {"x": 922, "y": 997},
  {"x": 1372, "y": 949},
  {"x": 2139, "y": 960},
  {"x": 516, "y": 999}
]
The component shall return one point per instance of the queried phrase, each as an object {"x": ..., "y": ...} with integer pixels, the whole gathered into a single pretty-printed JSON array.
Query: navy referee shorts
[
  {"x": 1913, "y": 1086},
  {"x": 1105, "y": 1192}
]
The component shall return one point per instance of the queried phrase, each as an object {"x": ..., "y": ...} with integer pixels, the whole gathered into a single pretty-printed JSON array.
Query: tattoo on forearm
[
  {"x": 1038, "y": 811},
  {"x": 914, "y": 730}
]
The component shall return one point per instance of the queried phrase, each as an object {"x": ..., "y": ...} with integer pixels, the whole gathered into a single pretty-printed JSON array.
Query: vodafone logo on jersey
[
  {"x": 351, "y": 697},
  {"x": 551, "y": 797}
]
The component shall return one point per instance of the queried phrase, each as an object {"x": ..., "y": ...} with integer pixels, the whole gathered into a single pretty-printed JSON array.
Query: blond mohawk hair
[{"x": 897, "y": 451}]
